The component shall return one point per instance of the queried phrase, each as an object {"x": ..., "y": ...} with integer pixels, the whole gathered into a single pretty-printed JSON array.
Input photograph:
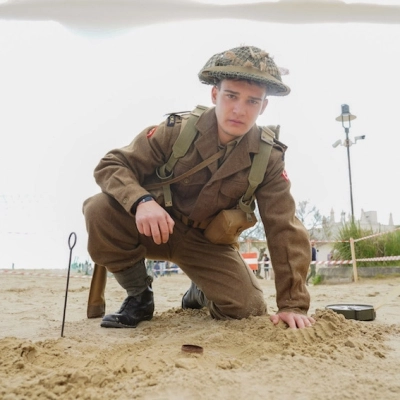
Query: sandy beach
[{"x": 247, "y": 359}]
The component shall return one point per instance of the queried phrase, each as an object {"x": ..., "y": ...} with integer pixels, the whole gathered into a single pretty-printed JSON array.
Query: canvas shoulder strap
[
  {"x": 179, "y": 149},
  {"x": 258, "y": 167},
  {"x": 183, "y": 142}
]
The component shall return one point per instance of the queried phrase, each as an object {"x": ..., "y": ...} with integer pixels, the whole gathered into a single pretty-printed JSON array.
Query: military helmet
[{"x": 245, "y": 62}]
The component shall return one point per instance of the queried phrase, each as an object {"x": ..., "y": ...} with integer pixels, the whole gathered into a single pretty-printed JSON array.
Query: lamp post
[{"x": 345, "y": 118}]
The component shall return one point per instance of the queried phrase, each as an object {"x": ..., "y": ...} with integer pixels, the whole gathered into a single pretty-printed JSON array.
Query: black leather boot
[
  {"x": 194, "y": 298},
  {"x": 134, "y": 309}
]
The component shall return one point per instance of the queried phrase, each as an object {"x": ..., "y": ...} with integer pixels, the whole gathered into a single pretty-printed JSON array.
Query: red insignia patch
[
  {"x": 150, "y": 132},
  {"x": 285, "y": 176}
]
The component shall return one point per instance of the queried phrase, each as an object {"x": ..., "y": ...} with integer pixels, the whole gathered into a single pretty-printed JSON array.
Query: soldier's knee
[
  {"x": 95, "y": 206},
  {"x": 251, "y": 305}
]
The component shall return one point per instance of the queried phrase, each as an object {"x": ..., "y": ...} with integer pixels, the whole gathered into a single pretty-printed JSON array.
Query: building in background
[{"x": 329, "y": 231}]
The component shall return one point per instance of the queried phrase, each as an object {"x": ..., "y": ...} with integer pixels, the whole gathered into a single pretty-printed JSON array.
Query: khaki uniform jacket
[{"x": 122, "y": 173}]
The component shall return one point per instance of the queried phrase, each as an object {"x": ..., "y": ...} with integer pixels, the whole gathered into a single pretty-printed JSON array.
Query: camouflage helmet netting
[{"x": 245, "y": 62}]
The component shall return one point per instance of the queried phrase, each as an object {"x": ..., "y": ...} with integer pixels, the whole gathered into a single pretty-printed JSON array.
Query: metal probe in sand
[{"x": 71, "y": 245}]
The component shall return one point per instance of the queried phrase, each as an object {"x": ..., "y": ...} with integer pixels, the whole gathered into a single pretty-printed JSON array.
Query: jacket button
[
  {"x": 125, "y": 200},
  {"x": 186, "y": 180}
]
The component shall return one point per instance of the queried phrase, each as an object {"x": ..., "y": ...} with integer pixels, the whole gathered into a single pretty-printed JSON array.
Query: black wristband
[
  {"x": 145, "y": 199},
  {"x": 142, "y": 199}
]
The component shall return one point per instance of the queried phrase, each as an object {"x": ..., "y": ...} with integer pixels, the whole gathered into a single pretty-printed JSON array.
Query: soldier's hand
[
  {"x": 153, "y": 220},
  {"x": 292, "y": 319}
]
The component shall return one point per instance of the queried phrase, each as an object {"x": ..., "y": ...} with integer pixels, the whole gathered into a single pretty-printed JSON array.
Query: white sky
[{"x": 67, "y": 98}]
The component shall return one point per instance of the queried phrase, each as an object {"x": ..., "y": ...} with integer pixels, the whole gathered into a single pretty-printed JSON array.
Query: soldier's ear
[{"x": 214, "y": 92}]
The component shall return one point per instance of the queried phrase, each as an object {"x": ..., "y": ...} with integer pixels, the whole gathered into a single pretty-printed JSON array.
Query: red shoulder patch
[
  {"x": 285, "y": 176},
  {"x": 151, "y": 131}
]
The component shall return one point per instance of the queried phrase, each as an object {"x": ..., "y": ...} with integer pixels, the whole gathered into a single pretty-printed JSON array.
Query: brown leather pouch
[{"x": 227, "y": 226}]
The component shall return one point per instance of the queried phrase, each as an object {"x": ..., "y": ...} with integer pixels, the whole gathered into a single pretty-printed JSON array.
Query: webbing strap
[
  {"x": 182, "y": 143},
  {"x": 179, "y": 149},
  {"x": 257, "y": 171},
  {"x": 191, "y": 171}
]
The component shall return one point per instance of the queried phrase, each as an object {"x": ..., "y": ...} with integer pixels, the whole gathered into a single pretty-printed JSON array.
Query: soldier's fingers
[
  {"x": 143, "y": 229},
  {"x": 160, "y": 231},
  {"x": 298, "y": 323},
  {"x": 303, "y": 321},
  {"x": 171, "y": 224},
  {"x": 311, "y": 320},
  {"x": 164, "y": 229},
  {"x": 293, "y": 323},
  {"x": 156, "y": 235}
]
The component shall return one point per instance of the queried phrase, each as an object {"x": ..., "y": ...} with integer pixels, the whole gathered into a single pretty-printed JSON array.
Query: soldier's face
[{"x": 237, "y": 105}]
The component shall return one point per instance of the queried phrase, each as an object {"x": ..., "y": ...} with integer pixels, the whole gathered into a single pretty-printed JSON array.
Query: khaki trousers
[{"x": 218, "y": 270}]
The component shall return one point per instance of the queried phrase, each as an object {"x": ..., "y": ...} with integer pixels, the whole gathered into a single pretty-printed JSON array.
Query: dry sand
[{"x": 247, "y": 359}]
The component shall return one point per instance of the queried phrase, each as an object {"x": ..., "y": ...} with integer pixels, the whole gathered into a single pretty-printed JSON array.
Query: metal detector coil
[{"x": 359, "y": 312}]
